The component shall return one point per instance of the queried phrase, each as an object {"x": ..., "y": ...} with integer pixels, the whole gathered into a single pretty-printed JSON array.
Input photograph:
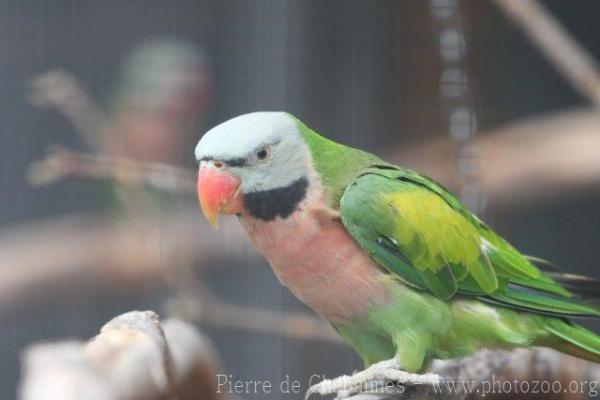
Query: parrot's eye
[{"x": 262, "y": 153}]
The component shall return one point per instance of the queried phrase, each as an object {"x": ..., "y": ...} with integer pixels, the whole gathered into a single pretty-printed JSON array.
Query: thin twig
[
  {"x": 59, "y": 89},
  {"x": 574, "y": 62},
  {"x": 60, "y": 163}
]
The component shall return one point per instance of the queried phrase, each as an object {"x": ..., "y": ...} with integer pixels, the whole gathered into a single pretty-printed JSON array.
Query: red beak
[{"x": 218, "y": 192}]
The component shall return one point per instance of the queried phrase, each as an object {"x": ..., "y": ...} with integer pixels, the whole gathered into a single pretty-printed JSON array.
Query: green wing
[{"x": 424, "y": 236}]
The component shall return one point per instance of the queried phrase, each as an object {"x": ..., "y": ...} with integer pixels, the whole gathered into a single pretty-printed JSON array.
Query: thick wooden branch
[
  {"x": 540, "y": 373},
  {"x": 133, "y": 358}
]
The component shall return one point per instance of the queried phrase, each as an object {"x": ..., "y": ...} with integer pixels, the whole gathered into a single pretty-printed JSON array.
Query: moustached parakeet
[{"x": 389, "y": 257}]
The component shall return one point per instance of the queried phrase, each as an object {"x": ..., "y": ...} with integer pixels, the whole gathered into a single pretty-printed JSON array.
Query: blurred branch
[
  {"x": 524, "y": 162},
  {"x": 499, "y": 374},
  {"x": 575, "y": 63},
  {"x": 132, "y": 358},
  {"x": 62, "y": 91},
  {"x": 44, "y": 256},
  {"x": 548, "y": 155},
  {"x": 61, "y": 163},
  {"x": 200, "y": 305},
  {"x": 50, "y": 253}
]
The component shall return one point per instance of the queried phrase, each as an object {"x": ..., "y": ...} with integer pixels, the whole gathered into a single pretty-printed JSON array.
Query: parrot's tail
[{"x": 574, "y": 339}]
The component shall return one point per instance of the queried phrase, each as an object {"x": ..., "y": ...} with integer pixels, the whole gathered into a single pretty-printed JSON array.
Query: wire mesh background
[{"x": 364, "y": 73}]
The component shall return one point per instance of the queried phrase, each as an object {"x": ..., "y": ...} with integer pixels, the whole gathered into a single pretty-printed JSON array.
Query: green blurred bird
[{"x": 401, "y": 269}]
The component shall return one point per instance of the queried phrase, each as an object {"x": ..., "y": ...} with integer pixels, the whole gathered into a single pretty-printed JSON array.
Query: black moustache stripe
[{"x": 280, "y": 202}]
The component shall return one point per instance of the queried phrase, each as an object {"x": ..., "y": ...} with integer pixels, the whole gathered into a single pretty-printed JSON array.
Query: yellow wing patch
[{"x": 431, "y": 233}]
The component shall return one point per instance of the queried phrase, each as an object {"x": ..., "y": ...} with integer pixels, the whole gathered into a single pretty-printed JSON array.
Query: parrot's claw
[{"x": 382, "y": 377}]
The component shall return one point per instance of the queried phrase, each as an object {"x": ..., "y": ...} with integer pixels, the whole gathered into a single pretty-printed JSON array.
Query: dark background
[{"x": 360, "y": 72}]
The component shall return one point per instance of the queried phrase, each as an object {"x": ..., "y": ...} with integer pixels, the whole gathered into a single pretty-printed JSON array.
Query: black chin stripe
[{"x": 280, "y": 202}]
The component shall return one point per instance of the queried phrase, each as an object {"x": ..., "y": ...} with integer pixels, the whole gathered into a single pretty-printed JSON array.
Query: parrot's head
[{"x": 256, "y": 163}]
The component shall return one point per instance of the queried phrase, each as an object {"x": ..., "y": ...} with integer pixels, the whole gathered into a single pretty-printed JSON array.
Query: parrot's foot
[{"x": 381, "y": 376}]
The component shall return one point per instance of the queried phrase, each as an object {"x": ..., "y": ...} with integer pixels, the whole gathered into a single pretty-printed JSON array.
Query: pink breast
[{"x": 320, "y": 263}]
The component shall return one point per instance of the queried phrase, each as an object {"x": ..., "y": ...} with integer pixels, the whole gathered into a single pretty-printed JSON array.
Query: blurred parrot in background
[{"x": 399, "y": 267}]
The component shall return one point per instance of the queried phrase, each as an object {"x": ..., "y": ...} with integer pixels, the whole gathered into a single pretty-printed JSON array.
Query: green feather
[
  {"x": 484, "y": 274},
  {"x": 441, "y": 283},
  {"x": 428, "y": 231},
  {"x": 578, "y": 336},
  {"x": 459, "y": 271},
  {"x": 454, "y": 285}
]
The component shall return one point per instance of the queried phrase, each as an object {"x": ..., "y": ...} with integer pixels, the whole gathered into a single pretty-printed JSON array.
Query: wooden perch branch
[
  {"x": 508, "y": 375},
  {"x": 575, "y": 63},
  {"x": 133, "y": 358}
]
